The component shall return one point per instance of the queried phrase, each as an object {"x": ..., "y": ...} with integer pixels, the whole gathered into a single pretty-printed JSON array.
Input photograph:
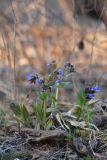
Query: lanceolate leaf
[
  {"x": 39, "y": 112},
  {"x": 25, "y": 115},
  {"x": 49, "y": 124}
]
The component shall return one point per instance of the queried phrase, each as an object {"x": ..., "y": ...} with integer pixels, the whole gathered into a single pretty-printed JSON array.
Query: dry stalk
[
  {"x": 92, "y": 49},
  {"x": 14, "y": 49}
]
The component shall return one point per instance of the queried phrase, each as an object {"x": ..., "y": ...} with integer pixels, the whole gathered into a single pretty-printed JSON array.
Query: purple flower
[
  {"x": 60, "y": 72},
  {"x": 69, "y": 67},
  {"x": 90, "y": 96},
  {"x": 48, "y": 65},
  {"x": 29, "y": 77},
  {"x": 32, "y": 78},
  {"x": 43, "y": 89},
  {"x": 58, "y": 81},
  {"x": 89, "y": 90},
  {"x": 96, "y": 88},
  {"x": 39, "y": 81}
]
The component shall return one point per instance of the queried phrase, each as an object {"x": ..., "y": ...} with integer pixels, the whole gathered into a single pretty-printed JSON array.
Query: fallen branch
[{"x": 38, "y": 136}]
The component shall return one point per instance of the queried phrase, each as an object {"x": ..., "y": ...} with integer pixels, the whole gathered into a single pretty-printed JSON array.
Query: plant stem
[
  {"x": 44, "y": 107},
  {"x": 57, "y": 92}
]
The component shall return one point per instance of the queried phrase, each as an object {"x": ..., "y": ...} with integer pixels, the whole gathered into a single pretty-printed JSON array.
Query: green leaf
[
  {"x": 81, "y": 98},
  {"x": 40, "y": 112},
  {"x": 86, "y": 107},
  {"x": 22, "y": 114},
  {"x": 52, "y": 110},
  {"x": 16, "y": 108},
  {"x": 25, "y": 115},
  {"x": 2, "y": 113},
  {"x": 87, "y": 158},
  {"x": 89, "y": 116},
  {"x": 53, "y": 98},
  {"x": 78, "y": 112},
  {"x": 62, "y": 85},
  {"x": 49, "y": 124},
  {"x": 93, "y": 101},
  {"x": 44, "y": 96}
]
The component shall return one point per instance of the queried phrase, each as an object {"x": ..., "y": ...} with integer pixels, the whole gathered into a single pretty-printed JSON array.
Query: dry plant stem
[
  {"x": 92, "y": 125},
  {"x": 14, "y": 50},
  {"x": 7, "y": 49},
  {"x": 65, "y": 104},
  {"x": 76, "y": 89},
  {"x": 94, "y": 154},
  {"x": 57, "y": 92},
  {"x": 40, "y": 6},
  {"x": 92, "y": 49},
  {"x": 102, "y": 7},
  {"x": 90, "y": 144},
  {"x": 7, "y": 41},
  {"x": 14, "y": 62}
]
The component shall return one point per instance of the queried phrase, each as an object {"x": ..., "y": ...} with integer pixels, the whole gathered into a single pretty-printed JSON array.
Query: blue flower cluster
[
  {"x": 69, "y": 67},
  {"x": 58, "y": 81},
  {"x": 39, "y": 81},
  {"x": 60, "y": 72},
  {"x": 32, "y": 78},
  {"x": 90, "y": 91},
  {"x": 55, "y": 77},
  {"x": 59, "y": 76}
]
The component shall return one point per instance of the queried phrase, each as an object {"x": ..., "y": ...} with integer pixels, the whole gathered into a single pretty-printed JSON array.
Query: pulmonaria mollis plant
[
  {"x": 84, "y": 109},
  {"x": 47, "y": 91},
  {"x": 53, "y": 80}
]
